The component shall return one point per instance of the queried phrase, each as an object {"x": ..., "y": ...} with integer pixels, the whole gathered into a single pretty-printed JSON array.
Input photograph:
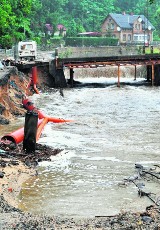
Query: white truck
[{"x": 27, "y": 50}]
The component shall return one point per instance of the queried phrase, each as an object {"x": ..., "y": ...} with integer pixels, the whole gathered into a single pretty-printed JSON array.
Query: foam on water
[
  {"x": 113, "y": 129},
  {"x": 60, "y": 161}
]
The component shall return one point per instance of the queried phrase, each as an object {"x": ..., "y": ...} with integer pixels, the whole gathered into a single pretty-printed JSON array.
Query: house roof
[
  {"x": 94, "y": 34},
  {"x": 60, "y": 27},
  {"x": 49, "y": 27},
  {"x": 126, "y": 21}
]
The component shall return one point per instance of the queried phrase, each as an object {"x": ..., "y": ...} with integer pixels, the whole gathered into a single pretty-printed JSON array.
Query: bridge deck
[
  {"x": 151, "y": 60},
  {"x": 93, "y": 62}
]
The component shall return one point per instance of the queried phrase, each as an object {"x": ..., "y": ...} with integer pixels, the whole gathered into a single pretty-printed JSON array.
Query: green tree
[
  {"x": 14, "y": 20},
  {"x": 21, "y": 19}
]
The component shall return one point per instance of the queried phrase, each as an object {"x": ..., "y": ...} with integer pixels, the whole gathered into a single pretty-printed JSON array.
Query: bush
[
  {"x": 6, "y": 41},
  {"x": 57, "y": 41}
]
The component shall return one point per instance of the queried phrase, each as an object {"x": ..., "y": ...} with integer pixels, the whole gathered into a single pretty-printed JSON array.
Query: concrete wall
[
  {"x": 58, "y": 75},
  {"x": 78, "y": 52}
]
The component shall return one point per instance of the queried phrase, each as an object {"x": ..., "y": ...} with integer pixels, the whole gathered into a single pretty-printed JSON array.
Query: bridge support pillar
[
  {"x": 71, "y": 76},
  {"x": 58, "y": 75},
  {"x": 119, "y": 73},
  {"x": 149, "y": 73},
  {"x": 135, "y": 72},
  {"x": 153, "y": 74},
  {"x": 157, "y": 75}
]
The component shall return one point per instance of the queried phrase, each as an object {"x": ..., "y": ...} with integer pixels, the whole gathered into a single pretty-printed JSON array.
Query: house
[
  {"x": 49, "y": 29},
  {"x": 128, "y": 28},
  {"x": 61, "y": 30}
]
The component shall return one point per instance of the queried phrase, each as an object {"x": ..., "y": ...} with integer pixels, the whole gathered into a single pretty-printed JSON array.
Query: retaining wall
[{"x": 81, "y": 52}]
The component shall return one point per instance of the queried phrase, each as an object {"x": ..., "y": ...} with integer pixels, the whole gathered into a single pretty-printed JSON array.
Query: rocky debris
[
  {"x": 1, "y": 174},
  {"x": 145, "y": 175},
  {"x": 3, "y": 120},
  {"x": 5, "y": 207},
  {"x": 12, "y": 151},
  {"x": 125, "y": 221}
]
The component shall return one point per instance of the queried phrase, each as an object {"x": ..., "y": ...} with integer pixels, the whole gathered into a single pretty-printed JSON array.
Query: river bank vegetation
[{"x": 27, "y": 19}]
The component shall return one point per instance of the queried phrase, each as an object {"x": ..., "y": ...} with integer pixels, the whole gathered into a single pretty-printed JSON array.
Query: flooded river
[{"x": 113, "y": 129}]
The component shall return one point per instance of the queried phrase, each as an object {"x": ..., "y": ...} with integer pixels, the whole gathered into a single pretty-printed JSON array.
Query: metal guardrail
[
  {"x": 2, "y": 51},
  {"x": 10, "y": 52},
  {"x": 6, "y": 53}
]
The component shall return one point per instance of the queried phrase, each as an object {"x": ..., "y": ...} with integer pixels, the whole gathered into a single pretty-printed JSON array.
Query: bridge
[{"x": 92, "y": 57}]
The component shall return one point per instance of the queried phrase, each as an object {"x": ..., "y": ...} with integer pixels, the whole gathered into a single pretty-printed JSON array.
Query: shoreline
[
  {"x": 17, "y": 166},
  {"x": 14, "y": 177}
]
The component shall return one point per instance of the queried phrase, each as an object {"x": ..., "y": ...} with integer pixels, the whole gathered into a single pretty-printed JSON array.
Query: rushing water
[{"x": 113, "y": 129}]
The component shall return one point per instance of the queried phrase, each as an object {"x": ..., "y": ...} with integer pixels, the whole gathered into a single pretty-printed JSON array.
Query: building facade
[{"x": 128, "y": 28}]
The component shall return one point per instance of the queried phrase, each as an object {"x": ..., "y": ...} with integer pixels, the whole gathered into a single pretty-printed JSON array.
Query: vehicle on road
[{"x": 27, "y": 50}]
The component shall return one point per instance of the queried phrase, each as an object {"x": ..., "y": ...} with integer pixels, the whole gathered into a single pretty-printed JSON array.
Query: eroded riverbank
[{"x": 79, "y": 138}]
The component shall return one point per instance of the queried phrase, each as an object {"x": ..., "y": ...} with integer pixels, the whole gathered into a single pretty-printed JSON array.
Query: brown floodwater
[{"x": 113, "y": 129}]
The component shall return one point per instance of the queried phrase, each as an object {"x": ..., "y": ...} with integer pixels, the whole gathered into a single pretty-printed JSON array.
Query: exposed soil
[{"x": 13, "y": 87}]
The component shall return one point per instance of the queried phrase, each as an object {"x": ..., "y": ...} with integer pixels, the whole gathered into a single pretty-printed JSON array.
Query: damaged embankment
[
  {"x": 15, "y": 164},
  {"x": 12, "y": 173},
  {"x": 13, "y": 86}
]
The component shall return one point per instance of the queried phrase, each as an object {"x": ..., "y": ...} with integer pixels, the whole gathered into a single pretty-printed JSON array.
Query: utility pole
[
  {"x": 144, "y": 29},
  {"x": 148, "y": 27}
]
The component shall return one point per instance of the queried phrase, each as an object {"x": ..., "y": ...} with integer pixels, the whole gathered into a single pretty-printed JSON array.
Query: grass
[{"x": 155, "y": 50}]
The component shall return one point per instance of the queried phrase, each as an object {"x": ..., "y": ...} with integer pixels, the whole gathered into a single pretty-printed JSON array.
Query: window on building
[
  {"x": 112, "y": 26},
  {"x": 124, "y": 37},
  {"x": 140, "y": 37},
  {"x": 135, "y": 38},
  {"x": 129, "y": 37}
]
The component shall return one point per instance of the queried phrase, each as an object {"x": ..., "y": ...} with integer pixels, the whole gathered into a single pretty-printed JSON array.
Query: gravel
[{"x": 12, "y": 218}]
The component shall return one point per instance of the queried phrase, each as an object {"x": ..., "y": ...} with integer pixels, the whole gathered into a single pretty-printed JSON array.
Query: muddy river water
[{"x": 113, "y": 129}]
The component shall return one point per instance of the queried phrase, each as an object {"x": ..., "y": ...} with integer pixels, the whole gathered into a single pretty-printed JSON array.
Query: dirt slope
[{"x": 13, "y": 86}]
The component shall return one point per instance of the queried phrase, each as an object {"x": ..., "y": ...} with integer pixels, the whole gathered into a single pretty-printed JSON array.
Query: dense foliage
[{"x": 26, "y": 19}]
